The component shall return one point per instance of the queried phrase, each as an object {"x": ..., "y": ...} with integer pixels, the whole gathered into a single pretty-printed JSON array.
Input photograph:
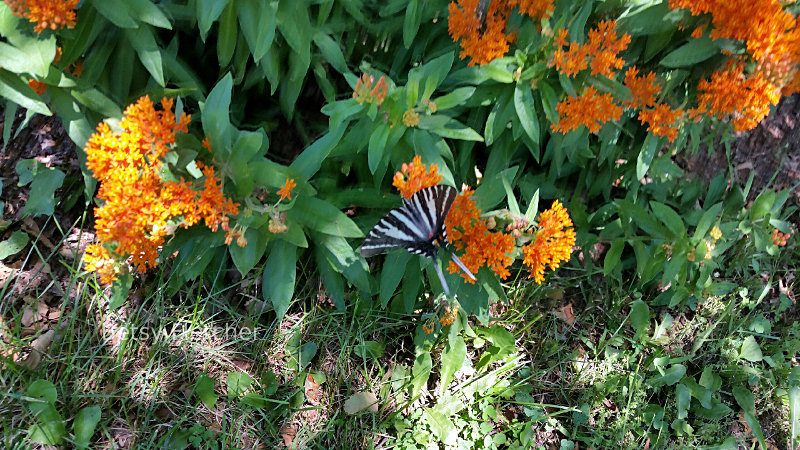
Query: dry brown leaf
[
  {"x": 38, "y": 348},
  {"x": 312, "y": 390},
  {"x": 288, "y": 433},
  {"x": 565, "y": 313}
]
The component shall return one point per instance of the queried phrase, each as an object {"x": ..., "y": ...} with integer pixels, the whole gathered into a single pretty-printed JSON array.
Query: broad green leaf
[
  {"x": 116, "y": 11},
  {"x": 640, "y": 316},
  {"x": 794, "y": 413},
  {"x": 455, "y": 98},
  {"x": 646, "y": 155},
  {"x": 411, "y": 22},
  {"x": 257, "y": 19},
  {"x": 706, "y": 220},
  {"x": 420, "y": 372},
  {"x": 613, "y": 256},
  {"x": 310, "y": 160},
  {"x": 307, "y": 353},
  {"x": 119, "y": 290},
  {"x": 14, "y": 244},
  {"x": 207, "y": 12},
  {"x": 752, "y": 422},
  {"x": 43, "y": 390},
  {"x": 204, "y": 389},
  {"x": 29, "y": 55},
  {"x": 394, "y": 267},
  {"x": 17, "y": 91},
  {"x": 683, "y": 399},
  {"x": 41, "y": 200},
  {"x": 148, "y": 12},
  {"x": 377, "y": 146},
  {"x": 237, "y": 384},
  {"x": 85, "y": 422},
  {"x": 523, "y": 103},
  {"x": 744, "y": 398},
  {"x": 691, "y": 53},
  {"x": 670, "y": 376},
  {"x": 144, "y": 42},
  {"x": 49, "y": 427},
  {"x": 279, "y": 276},
  {"x": 295, "y": 27},
  {"x": 332, "y": 281},
  {"x": 434, "y": 72},
  {"x": 369, "y": 349},
  {"x": 216, "y": 115},
  {"x": 255, "y": 400},
  {"x": 245, "y": 258},
  {"x": 361, "y": 401},
  {"x": 641, "y": 218},
  {"x": 549, "y": 101},
  {"x": 669, "y": 217},
  {"x": 227, "y": 34},
  {"x": 331, "y": 51},
  {"x": 452, "y": 359},
  {"x": 449, "y": 128},
  {"x": 497, "y": 70},
  {"x": 750, "y": 350},
  {"x": 762, "y": 205},
  {"x": 441, "y": 426},
  {"x": 513, "y": 206},
  {"x": 98, "y": 102},
  {"x": 321, "y": 216}
]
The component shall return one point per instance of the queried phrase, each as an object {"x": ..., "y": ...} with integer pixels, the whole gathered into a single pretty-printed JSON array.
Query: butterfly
[{"x": 417, "y": 226}]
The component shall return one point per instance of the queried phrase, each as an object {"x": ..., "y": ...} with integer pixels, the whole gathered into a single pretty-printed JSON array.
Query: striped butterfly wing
[{"x": 417, "y": 226}]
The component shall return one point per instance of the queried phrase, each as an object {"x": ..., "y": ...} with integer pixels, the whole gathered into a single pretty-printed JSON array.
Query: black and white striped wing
[{"x": 417, "y": 226}]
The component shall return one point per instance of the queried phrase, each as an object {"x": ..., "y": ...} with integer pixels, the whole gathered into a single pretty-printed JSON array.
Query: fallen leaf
[
  {"x": 361, "y": 401},
  {"x": 312, "y": 390},
  {"x": 288, "y": 433},
  {"x": 565, "y": 313},
  {"x": 38, "y": 348}
]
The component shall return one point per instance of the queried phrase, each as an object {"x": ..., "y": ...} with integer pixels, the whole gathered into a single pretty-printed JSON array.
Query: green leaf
[
  {"x": 411, "y": 22},
  {"x": 307, "y": 353},
  {"x": 455, "y": 98},
  {"x": 279, "y": 276},
  {"x": 85, "y": 422},
  {"x": 640, "y": 316},
  {"x": 549, "y": 101},
  {"x": 670, "y": 376},
  {"x": 28, "y": 55},
  {"x": 14, "y": 244},
  {"x": 706, "y": 220},
  {"x": 449, "y": 128},
  {"x": 682, "y": 400},
  {"x": 640, "y": 217},
  {"x": 49, "y": 427},
  {"x": 321, "y": 216},
  {"x": 119, "y": 290},
  {"x": 646, "y": 155},
  {"x": 216, "y": 115},
  {"x": 207, "y": 12},
  {"x": 762, "y": 205},
  {"x": 452, "y": 360},
  {"x": 441, "y": 427},
  {"x": 750, "y": 350},
  {"x": 204, "y": 389},
  {"x": 331, "y": 51},
  {"x": 513, "y": 206},
  {"x": 369, "y": 349},
  {"x": 237, "y": 383},
  {"x": 420, "y": 372},
  {"x": 257, "y": 20},
  {"x": 148, "y": 12},
  {"x": 227, "y": 34},
  {"x": 144, "y": 42},
  {"x": 794, "y": 414},
  {"x": 523, "y": 103},
  {"x": 377, "y": 146},
  {"x": 41, "y": 200},
  {"x": 361, "y": 401},
  {"x": 332, "y": 281},
  {"x": 245, "y": 258},
  {"x": 394, "y": 267},
  {"x": 670, "y": 218},
  {"x": 116, "y": 11},
  {"x": 613, "y": 256},
  {"x": 691, "y": 53},
  {"x": 98, "y": 102},
  {"x": 43, "y": 390},
  {"x": 745, "y": 399},
  {"x": 17, "y": 91}
]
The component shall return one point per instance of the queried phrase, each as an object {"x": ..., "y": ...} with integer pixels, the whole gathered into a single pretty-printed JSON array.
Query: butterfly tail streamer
[
  {"x": 441, "y": 278},
  {"x": 461, "y": 265}
]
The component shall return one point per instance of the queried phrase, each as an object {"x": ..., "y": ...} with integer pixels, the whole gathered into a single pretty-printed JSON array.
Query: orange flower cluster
[
  {"x": 552, "y": 244},
  {"x": 662, "y": 120},
  {"x": 599, "y": 52},
  {"x": 483, "y": 32},
  {"x": 45, "y": 14},
  {"x": 415, "y": 176},
  {"x": 449, "y": 315},
  {"x": 779, "y": 238},
  {"x": 730, "y": 92},
  {"x": 590, "y": 109},
  {"x": 139, "y": 208},
  {"x": 772, "y": 38},
  {"x": 370, "y": 92},
  {"x": 286, "y": 190},
  {"x": 643, "y": 89},
  {"x": 467, "y": 231}
]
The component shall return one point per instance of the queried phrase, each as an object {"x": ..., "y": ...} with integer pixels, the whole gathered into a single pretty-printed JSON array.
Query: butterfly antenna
[
  {"x": 461, "y": 265},
  {"x": 441, "y": 278}
]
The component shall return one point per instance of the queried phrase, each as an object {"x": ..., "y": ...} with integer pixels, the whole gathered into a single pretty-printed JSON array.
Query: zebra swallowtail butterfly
[{"x": 417, "y": 226}]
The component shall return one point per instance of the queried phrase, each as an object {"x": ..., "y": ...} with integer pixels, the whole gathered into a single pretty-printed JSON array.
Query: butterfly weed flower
[
  {"x": 286, "y": 190},
  {"x": 410, "y": 118},
  {"x": 644, "y": 89},
  {"x": 552, "y": 243},
  {"x": 779, "y": 238},
  {"x": 138, "y": 208},
  {"x": 367, "y": 91},
  {"x": 52, "y": 14},
  {"x": 481, "y": 31},
  {"x": 469, "y": 232},
  {"x": 589, "y": 109},
  {"x": 662, "y": 120},
  {"x": 415, "y": 176},
  {"x": 599, "y": 53}
]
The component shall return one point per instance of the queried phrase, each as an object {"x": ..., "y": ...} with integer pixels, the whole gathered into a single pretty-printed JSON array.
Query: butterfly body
[{"x": 417, "y": 226}]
